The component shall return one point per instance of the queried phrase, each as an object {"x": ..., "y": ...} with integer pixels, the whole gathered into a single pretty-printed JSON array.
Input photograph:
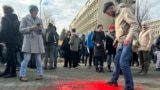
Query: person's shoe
[
  {"x": 143, "y": 73},
  {"x": 45, "y": 68},
  {"x": 39, "y": 77},
  {"x": 112, "y": 83},
  {"x": 23, "y": 79},
  {"x": 51, "y": 68},
  {"x": 97, "y": 69},
  {"x": 101, "y": 70},
  {"x": 157, "y": 69},
  {"x": 109, "y": 70},
  {"x": 10, "y": 76},
  {"x": 89, "y": 67},
  {"x": 3, "y": 74},
  {"x": 140, "y": 71}
]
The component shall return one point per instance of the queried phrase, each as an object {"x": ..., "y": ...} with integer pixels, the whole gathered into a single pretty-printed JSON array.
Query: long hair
[{"x": 7, "y": 9}]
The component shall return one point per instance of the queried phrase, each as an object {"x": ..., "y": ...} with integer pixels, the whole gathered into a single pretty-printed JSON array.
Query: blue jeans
[
  {"x": 19, "y": 58},
  {"x": 55, "y": 55},
  {"x": 122, "y": 60},
  {"x": 27, "y": 57},
  {"x": 109, "y": 59}
]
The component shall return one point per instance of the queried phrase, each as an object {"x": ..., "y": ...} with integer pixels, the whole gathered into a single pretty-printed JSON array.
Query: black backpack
[{"x": 49, "y": 37}]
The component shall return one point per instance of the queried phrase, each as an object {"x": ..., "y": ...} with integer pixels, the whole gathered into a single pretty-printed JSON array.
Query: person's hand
[
  {"x": 127, "y": 41},
  {"x": 106, "y": 51},
  {"x": 35, "y": 27},
  {"x": 97, "y": 44},
  {"x": 115, "y": 44},
  {"x": 3, "y": 44}
]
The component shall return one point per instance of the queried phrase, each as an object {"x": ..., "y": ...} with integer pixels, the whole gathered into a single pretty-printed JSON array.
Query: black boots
[
  {"x": 109, "y": 68},
  {"x": 100, "y": 70}
]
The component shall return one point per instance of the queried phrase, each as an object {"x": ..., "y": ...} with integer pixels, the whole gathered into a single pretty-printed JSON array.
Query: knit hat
[
  {"x": 111, "y": 28},
  {"x": 32, "y": 8},
  {"x": 106, "y": 6}
]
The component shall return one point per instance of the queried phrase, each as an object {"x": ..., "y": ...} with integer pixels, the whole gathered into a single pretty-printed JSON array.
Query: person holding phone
[{"x": 31, "y": 26}]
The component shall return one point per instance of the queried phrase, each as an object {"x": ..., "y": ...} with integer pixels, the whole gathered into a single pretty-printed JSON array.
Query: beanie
[
  {"x": 32, "y": 8},
  {"x": 111, "y": 28},
  {"x": 106, "y": 6}
]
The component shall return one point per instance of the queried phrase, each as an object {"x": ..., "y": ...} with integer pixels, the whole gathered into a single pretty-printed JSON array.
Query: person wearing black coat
[
  {"x": 99, "y": 52},
  {"x": 8, "y": 35},
  {"x": 66, "y": 48},
  {"x": 110, "y": 49}
]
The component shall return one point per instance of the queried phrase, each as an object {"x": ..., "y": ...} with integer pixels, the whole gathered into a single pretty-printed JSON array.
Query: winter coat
[
  {"x": 89, "y": 40},
  {"x": 145, "y": 39},
  {"x": 65, "y": 46},
  {"x": 157, "y": 44},
  {"x": 8, "y": 34},
  {"x": 33, "y": 41},
  {"x": 74, "y": 42},
  {"x": 98, "y": 38},
  {"x": 109, "y": 43},
  {"x": 126, "y": 25}
]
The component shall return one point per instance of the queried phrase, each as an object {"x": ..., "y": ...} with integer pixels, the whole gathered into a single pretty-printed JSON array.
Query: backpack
[{"x": 49, "y": 37}]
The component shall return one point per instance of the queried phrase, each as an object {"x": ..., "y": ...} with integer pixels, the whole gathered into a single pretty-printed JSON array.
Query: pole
[{"x": 40, "y": 8}]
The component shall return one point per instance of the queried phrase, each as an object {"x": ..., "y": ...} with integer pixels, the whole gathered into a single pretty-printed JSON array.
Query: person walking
[
  {"x": 126, "y": 28},
  {"x": 31, "y": 26}
]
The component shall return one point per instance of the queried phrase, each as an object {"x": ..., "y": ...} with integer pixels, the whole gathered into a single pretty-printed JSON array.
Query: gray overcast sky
[{"x": 63, "y": 10}]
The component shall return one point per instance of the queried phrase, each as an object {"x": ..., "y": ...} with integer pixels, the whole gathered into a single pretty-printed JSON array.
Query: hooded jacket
[{"x": 74, "y": 42}]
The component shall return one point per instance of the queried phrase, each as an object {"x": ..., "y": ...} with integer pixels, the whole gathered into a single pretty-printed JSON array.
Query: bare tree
[
  {"x": 47, "y": 17},
  {"x": 142, "y": 11}
]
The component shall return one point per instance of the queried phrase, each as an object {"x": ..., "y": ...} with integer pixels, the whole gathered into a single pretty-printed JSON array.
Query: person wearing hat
[
  {"x": 146, "y": 41},
  {"x": 31, "y": 27},
  {"x": 126, "y": 28},
  {"x": 110, "y": 49}
]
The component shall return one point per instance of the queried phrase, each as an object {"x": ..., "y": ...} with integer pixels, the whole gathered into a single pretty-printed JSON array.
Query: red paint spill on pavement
[{"x": 84, "y": 85}]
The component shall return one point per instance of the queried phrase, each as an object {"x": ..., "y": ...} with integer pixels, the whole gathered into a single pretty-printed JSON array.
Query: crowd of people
[{"x": 121, "y": 43}]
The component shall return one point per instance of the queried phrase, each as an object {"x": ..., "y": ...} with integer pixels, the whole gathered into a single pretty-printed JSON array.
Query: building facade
[
  {"x": 155, "y": 26},
  {"x": 92, "y": 14}
]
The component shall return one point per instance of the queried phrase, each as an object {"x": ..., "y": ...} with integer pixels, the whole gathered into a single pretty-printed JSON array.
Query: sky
[{"x": 63, "y": 11}]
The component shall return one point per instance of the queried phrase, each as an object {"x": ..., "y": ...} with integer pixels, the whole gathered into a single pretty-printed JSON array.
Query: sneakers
[
  {"x": 112, "y": 83},
  {"x": 39, "y": 77}
]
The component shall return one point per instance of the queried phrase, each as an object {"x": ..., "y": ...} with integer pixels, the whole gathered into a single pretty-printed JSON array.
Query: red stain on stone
[{"x": 85, "y": 85}]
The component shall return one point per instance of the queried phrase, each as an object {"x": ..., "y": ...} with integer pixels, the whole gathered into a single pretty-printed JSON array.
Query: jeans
[
  {"x": 122, "y": 61},
  {"x": 55, "y": 55},
  {"x": 109, "y": 58},
  {"x": 19, "y": 58},
  {"x": 27, "y": 57}
]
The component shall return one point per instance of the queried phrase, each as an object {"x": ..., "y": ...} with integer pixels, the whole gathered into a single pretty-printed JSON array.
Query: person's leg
[
  {"x": 146, "y": 62},
  {"x": 109, "y": 57},
  {"x": 141, "y": 61},
  {"x": 158, "y": 61},
  {"x": 55, "y": 56},
  {"x": 101, "y": 64},
  {"x": 51, "y": 49},
  {"x": 27, "y": 57},
  {"x": 46, "y": 57},
  {"x": 38, "y": 64},
  {"x": 116, "y": 71},
  {"x": 125, "y": 66},
  {"x": 90, "y": 56}
]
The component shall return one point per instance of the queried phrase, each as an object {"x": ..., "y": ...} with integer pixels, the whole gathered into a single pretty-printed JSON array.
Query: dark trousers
[
  {"x": 135, "y": 59},
  {"x": 11, "y": 59},
  {"x": 74, "y": 58},
  {"x": 90, "y": 56},
  {"x": 144, "y": 60},
  {"x": 48, "y": 54},
  {"x": 99, "y": 61},
  {"x": 67, "y": 59}
]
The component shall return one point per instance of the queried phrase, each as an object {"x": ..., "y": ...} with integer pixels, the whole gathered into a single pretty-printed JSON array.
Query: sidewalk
[{"x": 79, "y": 79}]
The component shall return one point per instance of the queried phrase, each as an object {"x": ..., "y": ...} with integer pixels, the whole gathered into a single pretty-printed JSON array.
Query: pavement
[{"x": 79, "y": 79}]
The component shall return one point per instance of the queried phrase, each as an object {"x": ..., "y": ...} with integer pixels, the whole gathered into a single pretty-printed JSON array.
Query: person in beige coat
[{"x": 146, "y": 41}]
